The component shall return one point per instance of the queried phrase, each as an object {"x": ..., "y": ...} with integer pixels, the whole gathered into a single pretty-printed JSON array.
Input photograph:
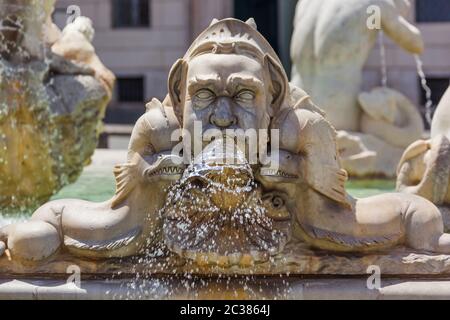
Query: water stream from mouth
[
  {"x": 384, "y": 78},
  {"x": 426, "y": 88},
  {"x": 423, "y": 81}
]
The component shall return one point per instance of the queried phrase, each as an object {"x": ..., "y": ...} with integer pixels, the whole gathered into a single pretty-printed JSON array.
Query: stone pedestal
[
  {"x": 293, "y": 288},
  {"x": 298, "y": 273}
]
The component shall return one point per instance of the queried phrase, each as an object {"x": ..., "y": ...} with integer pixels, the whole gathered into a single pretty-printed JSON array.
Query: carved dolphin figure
[
  {"x": 121, "y": 226},
  {"x": 324, "y": 215}
]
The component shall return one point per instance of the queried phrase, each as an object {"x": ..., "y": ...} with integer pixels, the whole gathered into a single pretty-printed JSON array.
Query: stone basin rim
[
  {"x": 314, "y": 289},
  {"x": 202, "y": 276}
]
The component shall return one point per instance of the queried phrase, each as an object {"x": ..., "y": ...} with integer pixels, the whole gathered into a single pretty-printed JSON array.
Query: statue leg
[
  {"x": 36, "y": 239},
  {"x": 31, "y": 241},
  {"x": 424, "y": 226}
]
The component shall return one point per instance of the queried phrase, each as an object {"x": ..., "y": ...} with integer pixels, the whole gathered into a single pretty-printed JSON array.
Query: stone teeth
[
  {"x": 270, "y": 172},
  {"x": 166, "y": 170},
  {"x": 278, "y": 173}
]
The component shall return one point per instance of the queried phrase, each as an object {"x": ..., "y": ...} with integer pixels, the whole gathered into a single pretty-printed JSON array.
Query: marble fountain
[{"x": 232, "y": 187}]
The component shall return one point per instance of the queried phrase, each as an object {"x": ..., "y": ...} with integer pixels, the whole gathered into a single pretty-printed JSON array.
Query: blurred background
[{"x": 139, "y": 40}]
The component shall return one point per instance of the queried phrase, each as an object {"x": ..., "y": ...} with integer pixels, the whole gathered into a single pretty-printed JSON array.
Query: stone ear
[
  {"x": 279, "y": 83},
  {"x": 213, "y": 21},
  {"x": 177, "y": 86},
  {"x": 252, "y": 23}
]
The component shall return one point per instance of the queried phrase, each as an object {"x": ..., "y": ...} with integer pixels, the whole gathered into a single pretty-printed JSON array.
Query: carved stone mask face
[{"x": 226, "y": 91}]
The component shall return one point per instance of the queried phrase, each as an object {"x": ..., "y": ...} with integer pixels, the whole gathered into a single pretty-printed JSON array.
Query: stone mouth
[
  {"x": 215, "y": 214},
  {"x": 207, "y": 218},
  {"x": 232, "y": 180},
  {"x": 207, "y": 235},
  {"x": 167, "y": 166},
  {"x": 277, "y": 174},
  {"x": 165, "y": 171}
]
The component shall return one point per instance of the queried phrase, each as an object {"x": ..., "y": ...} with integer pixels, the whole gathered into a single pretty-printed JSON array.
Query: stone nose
[{"x": 222, "y": 115}]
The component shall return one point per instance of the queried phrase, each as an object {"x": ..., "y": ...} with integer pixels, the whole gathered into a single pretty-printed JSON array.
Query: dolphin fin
[{"x": 126, "y": 181}]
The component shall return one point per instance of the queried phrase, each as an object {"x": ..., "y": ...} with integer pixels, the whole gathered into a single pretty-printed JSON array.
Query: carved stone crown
[{"x": 232, "y": 35}]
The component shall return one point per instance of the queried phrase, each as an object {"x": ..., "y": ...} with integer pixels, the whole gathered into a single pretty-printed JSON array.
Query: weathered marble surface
[
  {"x": 297, "y": 259},
  {"x": 53, "y": 95}
]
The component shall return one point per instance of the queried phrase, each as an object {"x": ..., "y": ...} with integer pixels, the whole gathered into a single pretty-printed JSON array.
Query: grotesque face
[
  {"x": 226, "y": 92},
  {"x": 223, "y": 92}
]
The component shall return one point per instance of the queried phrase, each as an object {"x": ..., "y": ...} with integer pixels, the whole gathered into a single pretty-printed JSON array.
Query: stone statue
[
  {"x": 389, "y": 123},
  {"x": 205, "y": 197},
  {"x": 424, "y": 168},
  {"x": 330, "y": 45},
  {"x": 121, "y": 226},
  {"x": 75, "y": 44},
  {"x": 53, "y": 95}
]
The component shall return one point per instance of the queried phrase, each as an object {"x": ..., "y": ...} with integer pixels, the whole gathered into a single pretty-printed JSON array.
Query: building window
[
  {"x": 130, "y": 89},
  {"x": 130, "y": 13},
  {"x": 433, "y": 11}
]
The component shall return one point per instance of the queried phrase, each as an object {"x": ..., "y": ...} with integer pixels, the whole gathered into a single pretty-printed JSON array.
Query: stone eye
[
  {"x": 245, "y": 95},
  {"x": 204, "y": 94},
  {"x": 277, "y": 202}
]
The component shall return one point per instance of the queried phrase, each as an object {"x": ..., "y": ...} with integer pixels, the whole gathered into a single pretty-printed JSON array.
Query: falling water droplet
[
  {"x": 383, "y": 59},
  {"x": 426, "y": 88}
]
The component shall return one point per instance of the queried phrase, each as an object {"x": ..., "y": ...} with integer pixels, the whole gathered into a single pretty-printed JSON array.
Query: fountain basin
[{"x": 297, "y": 273}]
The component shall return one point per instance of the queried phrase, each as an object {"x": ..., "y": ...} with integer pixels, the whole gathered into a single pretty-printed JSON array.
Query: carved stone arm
[{"x": 399, "y": 29}]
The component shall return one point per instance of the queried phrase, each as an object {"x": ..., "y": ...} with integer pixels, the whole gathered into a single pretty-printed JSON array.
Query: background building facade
[{"x": 139, "y": 40}]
